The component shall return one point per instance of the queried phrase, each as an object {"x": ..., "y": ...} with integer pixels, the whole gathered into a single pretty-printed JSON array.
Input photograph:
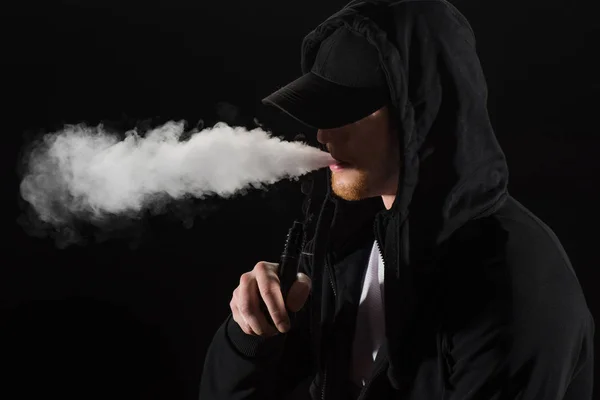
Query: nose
[{"x": 323, "y": 136}]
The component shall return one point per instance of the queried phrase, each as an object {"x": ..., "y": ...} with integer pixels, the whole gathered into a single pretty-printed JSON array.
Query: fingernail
[{"x": 284, "y": 327}]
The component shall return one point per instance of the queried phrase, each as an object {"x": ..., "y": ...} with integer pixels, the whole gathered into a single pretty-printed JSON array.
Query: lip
[{"x": 339, "y": 166}]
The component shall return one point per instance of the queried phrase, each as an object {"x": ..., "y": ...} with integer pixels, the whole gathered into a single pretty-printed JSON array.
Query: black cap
[{"x": 345, "y": 84}]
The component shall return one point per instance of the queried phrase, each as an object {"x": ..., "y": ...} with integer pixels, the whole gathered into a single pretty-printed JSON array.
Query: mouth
[{"x": 339, "y": 165}]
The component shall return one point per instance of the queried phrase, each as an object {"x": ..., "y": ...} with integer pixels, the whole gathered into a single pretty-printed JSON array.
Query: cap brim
[{"x": 321, "y": 104}]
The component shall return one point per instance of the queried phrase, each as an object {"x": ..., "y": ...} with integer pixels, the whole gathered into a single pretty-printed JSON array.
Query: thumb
[{"x": 298, "y": 293}]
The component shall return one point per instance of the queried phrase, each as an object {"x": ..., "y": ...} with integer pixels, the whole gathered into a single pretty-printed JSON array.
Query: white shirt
[{"x": 370, "y": 323}]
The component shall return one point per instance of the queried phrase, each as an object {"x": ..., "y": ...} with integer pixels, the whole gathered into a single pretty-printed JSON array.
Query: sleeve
[
  {"x": 239, "y": 366},
  {"x": 527, "y": 345}
]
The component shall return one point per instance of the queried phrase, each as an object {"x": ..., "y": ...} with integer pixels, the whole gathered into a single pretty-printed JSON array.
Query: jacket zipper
[
  {"x": 329, "y": 269},
  {"x": 379, "y": 250},
  {"x": 381, "y": 367},
  {"x": 365, "y": 389},
  {"x": 324, "y": 382}
]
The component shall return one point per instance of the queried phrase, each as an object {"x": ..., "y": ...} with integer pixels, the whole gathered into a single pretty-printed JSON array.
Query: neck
[{"x": 388, "y": 200}]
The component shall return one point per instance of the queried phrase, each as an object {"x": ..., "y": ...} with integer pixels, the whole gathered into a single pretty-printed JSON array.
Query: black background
[{"x": 131, "y": 317}]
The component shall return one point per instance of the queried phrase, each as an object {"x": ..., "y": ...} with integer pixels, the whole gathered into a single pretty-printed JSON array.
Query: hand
[{"x": 263, "y": 282}]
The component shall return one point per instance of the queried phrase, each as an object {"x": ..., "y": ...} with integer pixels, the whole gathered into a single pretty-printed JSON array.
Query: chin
[
  {"x": 348, "y": 195},
  {"x": 350, "y": 188}
]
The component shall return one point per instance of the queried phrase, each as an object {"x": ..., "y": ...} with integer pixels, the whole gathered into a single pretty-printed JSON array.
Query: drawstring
[{"x": 396, "y": 373}]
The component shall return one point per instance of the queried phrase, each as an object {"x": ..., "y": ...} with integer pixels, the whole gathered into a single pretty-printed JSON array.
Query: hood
[{"x": 452, "y": 167}]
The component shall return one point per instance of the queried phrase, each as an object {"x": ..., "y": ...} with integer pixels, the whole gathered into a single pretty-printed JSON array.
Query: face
[{"x": 369, "y": 156}]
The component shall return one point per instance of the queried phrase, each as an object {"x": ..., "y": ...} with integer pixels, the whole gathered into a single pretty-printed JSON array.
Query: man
[{"x": 427, "y": 280}]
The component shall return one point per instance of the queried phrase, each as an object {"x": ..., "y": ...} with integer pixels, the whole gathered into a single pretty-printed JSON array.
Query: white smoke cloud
[{"x": 85, "y": 172}]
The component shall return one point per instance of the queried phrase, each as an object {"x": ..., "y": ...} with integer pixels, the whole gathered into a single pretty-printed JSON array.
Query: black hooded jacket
[{"x": 481, "y": 301}]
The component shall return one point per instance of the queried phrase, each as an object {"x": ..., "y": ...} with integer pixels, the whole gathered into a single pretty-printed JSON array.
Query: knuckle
[
  {"x": 246, "y": 278},
  {"x": 277, "y": 314},
  {"x": 261, "y": 267}
]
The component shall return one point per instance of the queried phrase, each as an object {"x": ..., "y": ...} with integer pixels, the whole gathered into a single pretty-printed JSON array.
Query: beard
[{"x": 351, "y": 185}]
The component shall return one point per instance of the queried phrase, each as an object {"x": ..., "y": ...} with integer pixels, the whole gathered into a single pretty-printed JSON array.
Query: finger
[
  {"x": 237, "y": 317},
  {"x": 244, "y": 326},
  {"x": 249, "y": 305},
  {"x": 267, "y": 266},
  {"x": 298, "y": 293},
  {"x": 270, "y": 291}
]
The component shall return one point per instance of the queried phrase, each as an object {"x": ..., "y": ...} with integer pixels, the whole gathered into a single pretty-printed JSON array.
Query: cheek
[
  {"x": 375, "y": 156},
  {"x": 366, "y": 152},
  {"x": 388, "y": 152}
]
